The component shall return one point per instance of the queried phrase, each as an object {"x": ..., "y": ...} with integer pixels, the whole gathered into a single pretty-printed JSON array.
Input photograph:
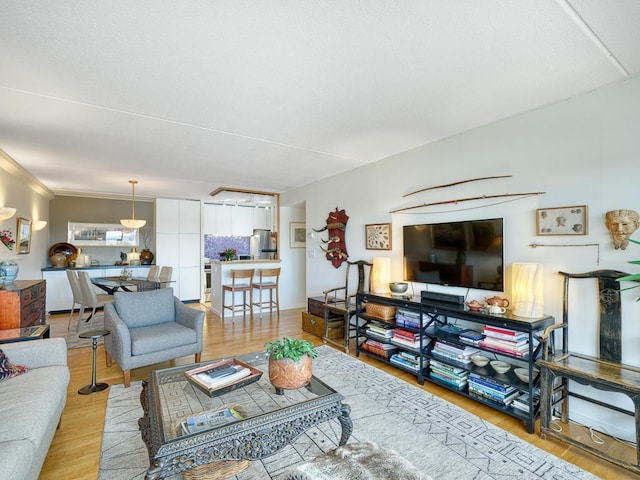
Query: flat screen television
[{"x": 461, "y": 254}]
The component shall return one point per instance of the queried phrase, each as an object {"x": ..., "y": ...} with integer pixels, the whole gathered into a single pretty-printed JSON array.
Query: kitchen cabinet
[
  {"x": 242, "y": 221},
  {"x": 178, "y": 244}
]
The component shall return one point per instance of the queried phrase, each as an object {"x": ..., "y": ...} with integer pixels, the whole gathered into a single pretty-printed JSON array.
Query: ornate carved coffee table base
[{"x": 253, "y": 438}]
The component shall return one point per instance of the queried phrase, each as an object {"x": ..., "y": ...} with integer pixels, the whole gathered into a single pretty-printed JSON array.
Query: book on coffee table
[{"x": 222, "y": 376}]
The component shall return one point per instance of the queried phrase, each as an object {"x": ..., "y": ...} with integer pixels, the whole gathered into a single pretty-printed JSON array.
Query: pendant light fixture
[{"x": 132, "y": 222}]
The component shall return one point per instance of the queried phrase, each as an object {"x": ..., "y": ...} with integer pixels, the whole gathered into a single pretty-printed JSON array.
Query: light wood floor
[{"x": 75, "y": 451}]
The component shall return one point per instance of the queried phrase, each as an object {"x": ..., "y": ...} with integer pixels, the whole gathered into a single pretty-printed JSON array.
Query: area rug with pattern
[{"x": 440, "y": 439}]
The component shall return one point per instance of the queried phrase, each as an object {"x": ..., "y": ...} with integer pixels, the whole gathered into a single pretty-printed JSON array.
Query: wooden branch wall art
[
  {"x": 336, "y": 251},
  {"x": 468, "y": 199},
  {"x": 458, "y": 183}
]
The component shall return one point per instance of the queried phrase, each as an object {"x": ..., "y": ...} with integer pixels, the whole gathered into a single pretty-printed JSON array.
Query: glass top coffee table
[{"x": 270, "y": 422}]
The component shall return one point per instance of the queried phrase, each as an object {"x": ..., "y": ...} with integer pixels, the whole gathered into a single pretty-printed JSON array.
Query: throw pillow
[{"x": 8, "y": 369}]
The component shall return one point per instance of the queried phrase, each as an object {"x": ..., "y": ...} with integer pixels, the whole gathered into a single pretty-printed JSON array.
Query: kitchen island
[{"x": 220, "y": 275}]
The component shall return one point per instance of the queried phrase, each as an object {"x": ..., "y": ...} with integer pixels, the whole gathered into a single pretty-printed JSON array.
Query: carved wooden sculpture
[{"x": 336, "y": 251}]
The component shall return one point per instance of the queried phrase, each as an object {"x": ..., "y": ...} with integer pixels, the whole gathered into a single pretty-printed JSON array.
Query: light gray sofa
[
  {"x": 150, "y": 327},
  {"x": 31, "y": 405}
]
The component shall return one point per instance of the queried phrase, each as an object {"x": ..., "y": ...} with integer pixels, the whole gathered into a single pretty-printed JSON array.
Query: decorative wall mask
[
  {"x": 621, "y": 224},
  {"x": 336, "y": 251}
]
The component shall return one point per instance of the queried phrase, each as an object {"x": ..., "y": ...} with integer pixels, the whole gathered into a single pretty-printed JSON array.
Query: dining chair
[
  {"x": 90, "y": 298},
  {"x": 72, "y": 276},
  {"x": 154, "y": 273},
  {"x": 165, "y": 276}
]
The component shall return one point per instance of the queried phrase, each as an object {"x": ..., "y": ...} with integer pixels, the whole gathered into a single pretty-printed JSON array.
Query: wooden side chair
[
  {"x": 241, "y": 281},
  {"x": 340, "y": 303},
  {"x": 268, "y": 279},
  {"x": 603, "y": 371}
]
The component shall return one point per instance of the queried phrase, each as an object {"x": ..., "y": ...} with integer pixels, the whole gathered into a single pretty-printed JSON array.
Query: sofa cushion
[
  {"x": 16, "y": 457},
  {"x": 141, "y": 309},
  {"x": 36, "y": 396},
  {"x": 160, "y": 337},
  {"x": 8, "y": 369}
]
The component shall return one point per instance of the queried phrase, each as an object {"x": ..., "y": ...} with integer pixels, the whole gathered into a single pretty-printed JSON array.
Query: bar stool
[
  {"x": 268, "y": 280},
  {"x": 243, "y": 287}
]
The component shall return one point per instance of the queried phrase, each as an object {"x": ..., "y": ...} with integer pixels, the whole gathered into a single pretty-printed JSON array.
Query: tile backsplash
[{"x": 215, "y": 244}]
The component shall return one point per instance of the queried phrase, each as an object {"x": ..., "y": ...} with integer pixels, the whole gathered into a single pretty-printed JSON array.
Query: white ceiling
[{"x": 188, "y": 96}]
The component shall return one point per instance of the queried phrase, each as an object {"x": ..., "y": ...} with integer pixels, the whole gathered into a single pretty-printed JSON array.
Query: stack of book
[
  {"x": 471, "y": 337},
  {"x": 408, "y": 318},
  {"x": 405, "y": 338},
  {"x": 407, "y": 360},
  {"x": 491, "y": 389},
  {"x": 448, "y": 351},
  {"x": 522, "y": 402},
  {"x": 382, "y": 331},
  {"x": 454, "y": 377},
  {"x": 379, "y": 348},
  {"x": 507, "y": 341}
]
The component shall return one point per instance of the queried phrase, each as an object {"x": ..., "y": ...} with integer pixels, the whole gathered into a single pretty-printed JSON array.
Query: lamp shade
[
  {"x": 380, "y": 274},
  {"x": 7, "y": 212},
  {"x": 132, "y": 222},
  {"x": 527, "y": 295}
]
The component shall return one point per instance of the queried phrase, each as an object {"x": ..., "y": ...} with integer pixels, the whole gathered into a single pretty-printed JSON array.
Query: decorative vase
[
  {"x": 285, "y": 374},
  {"x": 58, "y": 260},
  {"x": 146, "y": 256},
  {"x": 9, "y": 269}
]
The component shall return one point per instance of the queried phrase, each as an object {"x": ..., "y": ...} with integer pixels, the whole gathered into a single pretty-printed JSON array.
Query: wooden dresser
[{"x": 22, "y": 304}]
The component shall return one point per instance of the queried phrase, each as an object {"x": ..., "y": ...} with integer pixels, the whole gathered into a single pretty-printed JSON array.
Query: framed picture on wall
[
  {"x": 297, "y": 235},
  {"x": 378, "y": 236},
  {"x": 23, "y": 242},
  {"x": 562, "y": 220}
]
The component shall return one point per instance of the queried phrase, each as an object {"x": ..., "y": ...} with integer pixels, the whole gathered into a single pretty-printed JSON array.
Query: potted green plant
[
  {"x": 290, "y": 363},
  {"x": 229, "y": 253},
  {"x": 634, "y": 277}
]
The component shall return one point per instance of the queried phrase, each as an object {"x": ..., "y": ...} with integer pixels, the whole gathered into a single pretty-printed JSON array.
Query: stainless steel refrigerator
[{"x": 262, "y": 245}]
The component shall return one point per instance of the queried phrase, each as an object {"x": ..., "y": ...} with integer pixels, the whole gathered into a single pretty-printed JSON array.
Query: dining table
[{"x": 113, "y": 284}]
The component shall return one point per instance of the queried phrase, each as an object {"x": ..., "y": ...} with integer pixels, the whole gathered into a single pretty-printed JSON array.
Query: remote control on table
[{"x": 221, "y": 371}]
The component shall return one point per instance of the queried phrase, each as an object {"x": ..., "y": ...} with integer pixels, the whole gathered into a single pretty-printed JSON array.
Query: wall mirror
[{"x": 23, "y": 242}]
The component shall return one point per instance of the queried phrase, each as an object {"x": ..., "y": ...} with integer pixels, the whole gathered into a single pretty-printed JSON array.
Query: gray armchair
[{"x": 150, "y": 327}]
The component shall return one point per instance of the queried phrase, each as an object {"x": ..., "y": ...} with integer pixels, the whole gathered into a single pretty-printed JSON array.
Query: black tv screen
[{"x": 461, "y": 254}]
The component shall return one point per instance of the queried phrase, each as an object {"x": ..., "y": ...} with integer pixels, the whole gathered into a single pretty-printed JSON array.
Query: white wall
[
  {"x": 583, "y": 151},
  {"x": 292, "y": 261},
  {"x": 30, "y": 198}
]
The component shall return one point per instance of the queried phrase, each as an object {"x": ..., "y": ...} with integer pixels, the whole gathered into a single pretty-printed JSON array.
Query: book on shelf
[
  {"x": 220, "y": 377},
  {"x": 491, "y": 390},
  {"x": 458, "y": 385},
  {"x": 488, "y": 396},
  {"x": 471, "y": 334},
  {"x": 447, "y": 367},
  {"x": 405, "y": 343},
  {"x": 398, "y": 360},
  {"x": 383, "y": 346},
  {"x": 500, "y": 349},
  {"x": 490, "y": 382},
  {"x": 398, "y": 332},
  {"x": 208, "y": 420},
  {"x": 450, "y": 357},
  {"x": 410, "y": 356},
  {"x": 505, "y": 333},
  {"x": 511, "y": 346}
]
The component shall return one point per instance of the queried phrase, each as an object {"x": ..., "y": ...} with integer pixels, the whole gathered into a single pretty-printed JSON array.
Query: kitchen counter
[
  {"x": 242, "y": 262},
  {"x": 93, "y": 267},
  {"x": 220, "y": 275}
]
